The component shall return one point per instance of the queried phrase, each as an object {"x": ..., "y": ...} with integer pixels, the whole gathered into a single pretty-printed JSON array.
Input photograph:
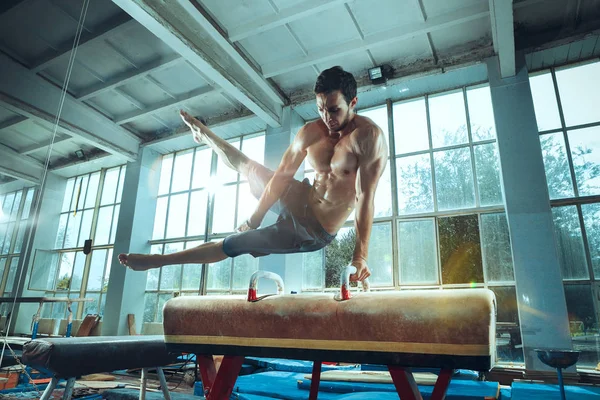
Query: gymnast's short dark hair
[{"x": 335, "y": 78}]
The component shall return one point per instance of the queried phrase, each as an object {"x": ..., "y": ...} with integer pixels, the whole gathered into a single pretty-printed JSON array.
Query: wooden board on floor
[
  {"x": 99, "y": 384},
  {"x": 422, "y": 378}
]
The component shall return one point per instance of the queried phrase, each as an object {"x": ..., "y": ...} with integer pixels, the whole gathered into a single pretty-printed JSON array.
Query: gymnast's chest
[{"x": 335, "y": 156}]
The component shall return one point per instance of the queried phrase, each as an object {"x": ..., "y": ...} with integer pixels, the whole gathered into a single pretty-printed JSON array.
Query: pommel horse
[{"x": 446, "y": 329}]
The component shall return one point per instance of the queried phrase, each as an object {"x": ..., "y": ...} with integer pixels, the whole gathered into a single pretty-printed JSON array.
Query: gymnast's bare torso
[{"x": 335, "y": 159}]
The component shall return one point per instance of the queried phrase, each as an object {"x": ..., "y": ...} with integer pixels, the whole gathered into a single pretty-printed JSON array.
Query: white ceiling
[{"x": 236, "y": 63}]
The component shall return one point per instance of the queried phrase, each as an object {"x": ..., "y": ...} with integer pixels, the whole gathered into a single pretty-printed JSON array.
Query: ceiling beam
[
  {"x": 164, "y": 105},
  {"x": 503, "y": 35},
  {"x": 182, "y": 26},
  {"x": 42, "y": 145},
  {"x": 118, "y": 23},
  {"x": 18, "y": 166},
  {"x": 285, "y": 16},
  {"x": 404, "y": 32},
  {"x": 31, "y": 96},
  {"x": 12, "y": 122},
  {"x": 126, "y": 77}
]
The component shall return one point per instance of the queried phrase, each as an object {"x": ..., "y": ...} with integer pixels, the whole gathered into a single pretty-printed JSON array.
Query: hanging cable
[{"x": 38, "y": 195}]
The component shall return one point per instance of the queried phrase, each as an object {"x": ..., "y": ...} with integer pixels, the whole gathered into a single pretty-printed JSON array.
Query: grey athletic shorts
[{"x": 296, "y": 230}]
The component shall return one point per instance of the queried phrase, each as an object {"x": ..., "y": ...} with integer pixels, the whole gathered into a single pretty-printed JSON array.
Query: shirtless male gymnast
[{"x": 348, "y": 153}]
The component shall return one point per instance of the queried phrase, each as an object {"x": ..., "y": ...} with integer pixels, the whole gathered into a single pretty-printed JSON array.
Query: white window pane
[
  {"x": 153, "y": 274},
  {"x": 243, "y": 268},
  {"x": 8, "y": 238},
  {"x": 191, "y": 272},
  {"x": 109, "y": 189},
  {"x": 64, "y": 273},
  {"x": 3, "y": 228},
  {"x": 95, "y": 277},
  {"x": 91, "y": 307},
  {"x": 170, "y": 277},
  {"x": 223, "y": 212},
  {"x": 121, "y": 182},
  {"x": 72, "y": 232},
  {"x": 585, "y": 150},
  {"x": 338, "y": 254},
  {"x": 150, "y": 307},
  {"x": 312, "y": 270},
  {"x": 224, "y": 173},
  {"x": 12, "y": 273},
  {"x": 481, "y": 113},
  {"x": 556, "y": 166},
  {"x": 246, "y": 203},
  {"x": 16, "y": 205},
  {"x": 202, "y": 168},
  {"x": 86, "y": 227},
  {"x": 410, "y": 126},
  {"x": 254, "y": 148},
  {"x": 380, "y": 255},
  {"x": 544, "y": 102},
  {"x": 417, "y": 252},
  {"x": 448, "y": 120},
  {"x": 81, "y": 188},
  {"x": 579, "y": 89},
  {"x": 103, "y": 227},
  {"x": 460, "y": 249},
  {"x": 177, "y": 215},
  {"x": 454, "y": 179},
  {"x": 19, "y": 239},
  {"x": 66, "y": 199},
  {"x": 62, "y": 228},
  {"x": 488, "y": 174},
  {"x": 115, "y": 222},
  {"x": 591, "y": 218},
  {"x": 570, "y": 243},
  {"x": 497, "y": 255},
  {"x": 166, "y": 167},
  {"x": 383, "y": 195},
  {"x": 182, "y": 171},
  {"x": 77, "y": 275},
  {"x": 197, "y": 216},
  {"x": 159, "y": 218},
  {"x": 27, "y": 206},
  {"x": 415, "y": 190},
  {"x": 92, "y": 192},
  {"x": 219, "y": 275}
]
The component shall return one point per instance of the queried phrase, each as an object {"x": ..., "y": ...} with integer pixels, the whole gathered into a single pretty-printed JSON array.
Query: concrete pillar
[
  {"x": 43, "y": 226},
  {"x": 125, "y": 293},
  {"x": 540, "y": 294},
  {"x": 289, "y": 267}
]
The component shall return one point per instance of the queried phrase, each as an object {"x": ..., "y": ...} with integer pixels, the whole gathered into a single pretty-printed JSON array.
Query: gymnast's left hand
[{"x": 362, "y": 270}]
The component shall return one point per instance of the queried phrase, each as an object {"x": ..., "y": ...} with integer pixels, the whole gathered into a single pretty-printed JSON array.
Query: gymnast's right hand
[{"x": 245, "y": 226}]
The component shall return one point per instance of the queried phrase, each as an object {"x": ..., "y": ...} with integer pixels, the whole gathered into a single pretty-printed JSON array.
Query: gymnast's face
[{"x": 334, "y": 111}]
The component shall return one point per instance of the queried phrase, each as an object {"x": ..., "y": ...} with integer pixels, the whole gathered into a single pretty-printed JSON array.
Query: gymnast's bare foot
[
  {"x": 140, "y": 262},
  {"x": 195, "y": 126}
]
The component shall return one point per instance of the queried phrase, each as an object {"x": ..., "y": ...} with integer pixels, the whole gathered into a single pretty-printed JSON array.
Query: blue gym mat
[
  {"x": 535, "y": 391},
  {"x": 293, "y": 386},
  {"x": 279, "y": 364}
]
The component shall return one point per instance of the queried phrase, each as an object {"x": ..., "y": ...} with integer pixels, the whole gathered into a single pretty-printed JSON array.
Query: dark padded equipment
[{"x": 76, "y": 356}]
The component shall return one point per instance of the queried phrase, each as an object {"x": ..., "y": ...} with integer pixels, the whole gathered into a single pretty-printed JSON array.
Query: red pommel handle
[
  {"x": 345, "y": 284},
  {"x": 253, "y": 288}
]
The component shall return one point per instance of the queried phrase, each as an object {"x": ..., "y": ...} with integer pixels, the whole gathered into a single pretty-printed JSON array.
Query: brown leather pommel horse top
[{"x": 428, "y": 328}]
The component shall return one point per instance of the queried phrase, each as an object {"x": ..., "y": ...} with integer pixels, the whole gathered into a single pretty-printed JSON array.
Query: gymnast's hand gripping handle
[
  {"x": 344, "y": 293},
  {"x": 252, "y": 289}
]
